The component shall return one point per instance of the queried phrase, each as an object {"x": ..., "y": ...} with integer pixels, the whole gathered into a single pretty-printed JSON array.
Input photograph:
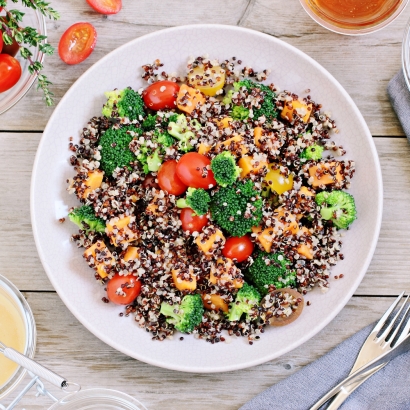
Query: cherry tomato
[
  {"x": 149, "y": 182},
  {"x": 168, "y": 179},
  {"x": 285, "y": 320},
  {"x": 194, "y": 170},
  {"x": 1, "y": 40},
  {"x": 192, "y": 222},
  {"x": 11, "y": 49},
  {"x": 10, "y": 72},
  {"x": 77, "y": 43},
  {"x": 106, "y": 6},
  {"x": 130, "y": 289},
  {"x": 239, "y": 248},
  {"x": 160, "y": 95}
]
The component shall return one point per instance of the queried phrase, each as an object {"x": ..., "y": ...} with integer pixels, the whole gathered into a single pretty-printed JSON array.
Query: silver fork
[{"x": 373, "y": 347}]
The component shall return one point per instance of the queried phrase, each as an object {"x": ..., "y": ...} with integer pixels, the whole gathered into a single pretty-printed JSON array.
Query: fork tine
[
  {"x": 393, "y": 321},
  {"x": 402, "y": 320},
  {"x": 388, "y": 312},
  {"x": 406, "y": 329}
]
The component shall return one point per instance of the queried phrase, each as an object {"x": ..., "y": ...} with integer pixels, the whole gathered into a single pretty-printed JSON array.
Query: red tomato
[
  {"x": 168, "y": 179},
  {"x": 194, "y": 170},
  {"x": 192, "y": 222},
  {"x": 77, "y": 43},
  {"x": 11, "y": 49},
  {"x": 123, "y": 290},
  {"x": 106, "y": 6},
  {"x": 1, "y": 40},
  {"x": 238, "y": 248},
  {"x": 160, "y": 95},
  {"x": 10, "y": 72}
]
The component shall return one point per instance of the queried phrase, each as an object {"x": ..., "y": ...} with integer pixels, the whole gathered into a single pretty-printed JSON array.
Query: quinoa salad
[{"x": 210, "y": 201}]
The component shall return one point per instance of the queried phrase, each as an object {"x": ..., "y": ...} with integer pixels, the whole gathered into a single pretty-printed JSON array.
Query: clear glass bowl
[
  {"x": 385, "y": 17},
  {"x": 30, "y": 346},
  {"x": 98, "y": 399},
  {"x": 405, "y": 55},
  {"x": 32, "y": 18}
]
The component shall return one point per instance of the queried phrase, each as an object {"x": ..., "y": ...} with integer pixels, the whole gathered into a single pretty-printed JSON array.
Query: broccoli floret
[
  {"x": 127, "y": 103},
  {"x": 314, "y": 152},
  {"x": 115, "y": 150},
  {"x": 179, "y": 129},
  {"x": 225, "y": 170},
  {"x": 237, "y": 208},
  {"x": 270, "y": 269},
  {"x": 185, "y": 316},
  {"x": 196, "y": 199},
  {"x": 240, "y": 113},
  {"x": 154, "y": 162},
  {"x": 149, "y": 123},
  {"x": 246, "y": 301},
  {"x": 86, "y": 220},
  {"x": 338, "y": 207},
  {"x": 164, "y": 138}
]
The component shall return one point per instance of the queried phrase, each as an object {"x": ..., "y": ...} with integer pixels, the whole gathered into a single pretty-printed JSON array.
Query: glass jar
[{"x": 405, "y": 55}]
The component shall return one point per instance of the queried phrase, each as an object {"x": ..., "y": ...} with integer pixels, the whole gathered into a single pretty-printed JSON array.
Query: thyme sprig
[{"x": 28, "y": 36}]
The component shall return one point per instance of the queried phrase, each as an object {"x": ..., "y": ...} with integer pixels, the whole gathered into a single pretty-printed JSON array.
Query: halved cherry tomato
[
  {"x": 160, "y": 95},
  {"x": 168, "y": 179},
  {"x": 106, "y": 6},
  {"x": 123, "y": 290},
  {"x": 10, "y": 72},
  {"x": 194, "y": 170},
  {"x": 239, "y": 248},
  {"x": 77, "y": 43},
  {"x": 192, "y": 222}
]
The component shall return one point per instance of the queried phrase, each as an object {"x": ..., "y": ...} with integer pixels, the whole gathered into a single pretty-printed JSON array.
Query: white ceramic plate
[{"x": 63, "y": 262}]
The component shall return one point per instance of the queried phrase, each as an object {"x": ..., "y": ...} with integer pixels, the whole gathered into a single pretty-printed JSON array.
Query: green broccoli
[
  {"x": 127, "y": 103},
  {"x": 149, "y": 123},
  {"x": 115, "y": 150},
  {"x": 338, "y": 207},
  {"x": 270, "y": 269},
  {"x": 154, "y": 161},
  {"x": 186, "y": 316},
  {"x": 314, "y": 152},
  {"x": 86, "y": 220},
  {"x": 179, "y": 130},
  {"x": 237, "y": 208},
  {"x": 225, "y": 170},
  {"x": 246, "y": 301},
  {"x": 240, "y": 113},
  {"x": 196, "y": 199}
]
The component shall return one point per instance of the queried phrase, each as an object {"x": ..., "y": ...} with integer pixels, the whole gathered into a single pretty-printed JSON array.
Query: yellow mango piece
[
  {"x": 325, "y": 179},
  {"x": 189, "y": 98},
  {"x": 245, "y": 163},
  {"x": 203, "y": 148},
  {"x": 214, "y": 77},
  {"x": 93, "y": 181},
  {"x": 277, "y": 182},
  {"x": 99, "y": 266},
  {"x": 308, "y": 193},
  {"x": 257, "y": 134},
  {"x": 206, "y": 246},
  {"x": 224, "y": 122},
  {"x": 214, "y": 302},
  {"x": 181, "y": 284},
  {"x": 287, "y": 112},
  {"x": 131, "y": 253},
  {"x": 225, "y": 264},
  {"x": 236, "y": 141},
  {"x": 305, "y": 249}
]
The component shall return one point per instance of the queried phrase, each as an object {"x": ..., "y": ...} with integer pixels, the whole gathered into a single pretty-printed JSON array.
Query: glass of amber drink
[{"x": 354, "y": 17}]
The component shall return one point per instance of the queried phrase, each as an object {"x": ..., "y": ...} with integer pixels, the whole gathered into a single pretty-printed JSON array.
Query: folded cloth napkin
[
  {"x": 388, "y": 389},
  {"x": 400, "y": 100}
]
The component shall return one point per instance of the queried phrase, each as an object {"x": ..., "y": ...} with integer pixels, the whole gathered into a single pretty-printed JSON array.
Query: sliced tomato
[
  {"x": 161, "y": 95},
  {"x": 123, "y": 290},
  {"x": 10, "y": 72},
  {"x": 77, "y": 43},
  {"x": 106, "y": 6},
  {"x": 238, "y": 248},
  {"x": 194, "y": 170},
  {"x": 192, "y": 222},
  {"x": 168, "y": 179}
]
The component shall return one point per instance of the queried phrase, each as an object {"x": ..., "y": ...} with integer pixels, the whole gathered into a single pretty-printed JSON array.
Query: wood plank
[
  {"x": 387, "y": 275},
  {"x": 67, "y": 348},
  {"x": 354, "y": 61}
]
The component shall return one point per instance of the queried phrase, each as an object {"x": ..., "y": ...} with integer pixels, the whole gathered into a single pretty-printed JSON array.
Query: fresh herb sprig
[{"x": 28, "y": 36}]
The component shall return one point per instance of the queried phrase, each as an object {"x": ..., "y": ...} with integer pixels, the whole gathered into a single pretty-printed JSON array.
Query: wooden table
[{"x": 363, "y": 65}]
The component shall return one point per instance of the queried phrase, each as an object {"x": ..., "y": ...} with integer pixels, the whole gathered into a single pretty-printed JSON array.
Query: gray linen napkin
[
  {"x": 400, "y": 100},
  {"x": 389, "y": 389}
]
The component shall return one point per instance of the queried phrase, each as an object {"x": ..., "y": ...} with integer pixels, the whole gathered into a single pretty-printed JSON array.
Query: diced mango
[
  {"x": 245, "y": 163},
  {"x": 236, "y": 141},
  {"x": 277, "y": 182},
  {"x": 182, "y": 284},
  {"x": 308, "y": 193},
  {"x": 132, "y": 253},
  {"x": 121, "y": 225},
  {"x": 325, "y": 179},
  {"x": 189, "y": 98},
  {"x": 216, "y": 74},
  {"x": 287, "y": 112},
  {"x": 100, "y": 266},
  {"x": 290, "y": 224},
  {"x": 93, "y": 181},
  {"x": 214, "y": 302},
  {"x": 257, "y": 134},
  {"x": 207, "y": 245},
  {"x": 264, "y": 237},
  {"x": 224, "y": 122},
  {"x": 225, "y": 264},
  {"x": 203, "y": 148},
  {"x": 305, "y": 249}
]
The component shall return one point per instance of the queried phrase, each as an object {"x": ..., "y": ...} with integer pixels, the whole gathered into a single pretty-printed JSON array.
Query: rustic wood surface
[{"x": 363, "y": 65}]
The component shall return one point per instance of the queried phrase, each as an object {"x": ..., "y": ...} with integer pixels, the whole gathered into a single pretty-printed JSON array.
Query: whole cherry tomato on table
[
  {"x": 10, "y": 72},
  {"x": 160, "y": 95},
  {"x": 168, "y": 179},
  {"x": 239, "y": 248},
  {"x": 123, "y": 290},
  {"x": 77, "y": 43},
  {"x": 193, "y": 169},
  {"x": 11, "y": 49},
  {"x": 192, "y": 222},
  {"x": 106, "y": 6}
]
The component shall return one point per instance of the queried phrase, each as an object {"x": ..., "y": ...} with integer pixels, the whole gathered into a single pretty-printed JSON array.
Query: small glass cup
[
  {"x": 23, "y": 307},
  {"x": 388, "y": 11}
]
